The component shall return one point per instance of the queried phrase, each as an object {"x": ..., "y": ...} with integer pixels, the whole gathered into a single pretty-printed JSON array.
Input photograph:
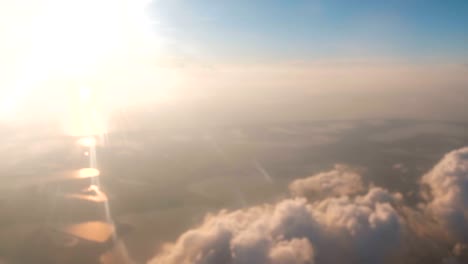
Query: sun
[
  {"x": 75, "y": 37},
  {"x": 65, "y": 45}
]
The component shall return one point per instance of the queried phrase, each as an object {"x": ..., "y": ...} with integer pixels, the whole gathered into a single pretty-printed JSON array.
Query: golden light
[
  {"x": 88, "y": 173},
  {"x": 85, "y": 116},
  {"x": 73, "y": 37},
  {"x": 85, "y": 94},
  {"x": 87, "y": 142},
  {"x": 91, "y": 231},
  {"x": 60, "y": 46}
]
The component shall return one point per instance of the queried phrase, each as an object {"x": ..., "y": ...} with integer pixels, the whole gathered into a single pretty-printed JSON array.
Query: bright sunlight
[{"x": 57, "y": 47}]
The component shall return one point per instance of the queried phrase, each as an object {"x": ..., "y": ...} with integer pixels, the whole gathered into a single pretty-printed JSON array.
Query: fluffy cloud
[
  {"x": 364, "y": 228},
  {"x": 363, "y": 224},
  {"x": 342, "y": 180},
  {"x": 253, "y": 235},
  {"x": 290, "y": 252},
  {"x": 369, "y": 226},
  {"x": 447, "y": 193}
]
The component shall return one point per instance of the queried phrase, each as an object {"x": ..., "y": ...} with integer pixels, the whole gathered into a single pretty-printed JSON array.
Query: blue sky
[
  {"x": 298, "y": 30},
  {"x": 329, "y": 59}
]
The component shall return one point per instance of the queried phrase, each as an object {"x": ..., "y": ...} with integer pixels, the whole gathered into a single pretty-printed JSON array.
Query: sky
[
  {"x": 304, "y": 30},
  {"x": 252, "y": 60}
]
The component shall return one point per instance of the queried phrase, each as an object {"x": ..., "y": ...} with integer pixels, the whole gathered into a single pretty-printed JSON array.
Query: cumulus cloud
[
  {"x": 363, "y": 224},
  {"x": 342, "y": 180},
  {"x": 364, "y": 228},
  {"x": 369, "y": 225},
  {"x": 290, "y": 252},
  {"x": 254, "y": 235},
  {"x": 447, "y": 194}
]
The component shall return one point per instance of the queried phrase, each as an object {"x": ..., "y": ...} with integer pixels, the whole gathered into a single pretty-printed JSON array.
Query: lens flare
[
  {"x": 54, "y": 46},
  {"x": 87, "y": 142},
  {"x": 88, "y": 173},
  {"x": 85, "y": 116}
]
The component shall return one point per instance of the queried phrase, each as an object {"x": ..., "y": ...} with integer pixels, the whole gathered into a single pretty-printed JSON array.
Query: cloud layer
[{"x": 364, "y": 224}]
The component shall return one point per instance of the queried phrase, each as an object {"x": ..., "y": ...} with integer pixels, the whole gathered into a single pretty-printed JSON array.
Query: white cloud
[
  {"x": 448, "y": 193},
  {"x": 244, "y": 236},
  {"x": 362, "y": 224},
  {"x": 364, "y": 228},
  {"x": 343, "y": 180},
  {"x": 290, "y": 252},
  {"x": 368, "y": 225}
]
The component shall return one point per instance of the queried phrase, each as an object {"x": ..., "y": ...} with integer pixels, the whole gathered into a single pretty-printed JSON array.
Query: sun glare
[
  {"x": 66, "y": 44},
  {"x": 85, "y": 116},
  {"x": 73, "y": 37},
  {"x": 88, "y": 173},
  {"x": 87, "y": 142}
]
